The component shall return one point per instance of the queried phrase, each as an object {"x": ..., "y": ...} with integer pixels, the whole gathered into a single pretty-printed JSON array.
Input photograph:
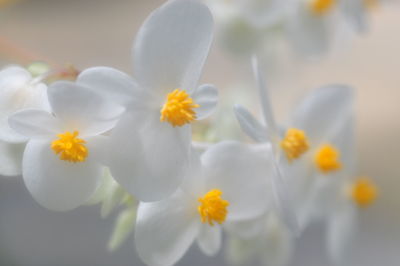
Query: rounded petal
[
  {"x": 250, "y": 125},
  {"x": 56, "y": 184},
  {"x": 340, "y": 233},
  {"x": 323, "y": 111},
  {"x": 147, "y": 157},
  {"x": 11, "y": 158},
  {"x": 242, "y": 174},
  {"x": 172, "y": 45},
  {"x": 35, "y": 123},
  {"x": 18, "y": 93},
  {"x": 165, "y": 229},
  {"x": 207, "y": 97},
  {"x": 209, "y": 239},
  {"x": 110, "y": 83},
  {"x": 79, "y": 108},
  {"x": 246, "y": 229}
]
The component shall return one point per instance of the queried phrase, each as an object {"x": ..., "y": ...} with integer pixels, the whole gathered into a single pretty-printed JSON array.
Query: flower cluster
[
  {"x": 109, "y": 138},
  {"x": 310, "y": 27}
]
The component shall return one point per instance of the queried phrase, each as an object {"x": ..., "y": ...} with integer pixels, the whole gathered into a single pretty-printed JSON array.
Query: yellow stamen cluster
[
  {"x": 212, "y": 207},
  {"x": 178, "y": 109},
  {"x": 321, "y": 7},
  {"x": 295, "y": 143},
  {"x": 327, "y": 159},
  {"x": 70, "y": 148},
  {"x": 363, "y": 192}
]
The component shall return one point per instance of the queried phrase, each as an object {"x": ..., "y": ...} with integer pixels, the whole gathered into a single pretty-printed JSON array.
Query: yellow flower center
[
  {"x": 321, "y": 7},
  {"x": 371, "y": 4},
  {"x": 295, "y": 143},
  {"x": 69, "y": 147},
  {"x": 327, "y": 159},
  {"x": 363, "y": 192},
  {"x": 212, "y": 207},
  {"x": 178, "y": 109}
]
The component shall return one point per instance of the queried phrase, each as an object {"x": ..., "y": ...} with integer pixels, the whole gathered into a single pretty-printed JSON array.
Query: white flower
[
  {"x": 311, "y": 146},
  {"x": 314, "y": 25},
  {"x": 18, "y": 91},
  {"x": 270, "y": 242},
  {"x": 230, "y": 184},
  {"x": 60, "y": 163},
  {"x": 150, "y": 147}
]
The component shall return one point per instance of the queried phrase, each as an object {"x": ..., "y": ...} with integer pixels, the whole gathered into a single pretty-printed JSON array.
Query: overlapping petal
[
  {"x": 11, "y": 158},
  {"x": 209, "y": 239},
  {"x": 112, "y": 84},
  {"x": 79, "y": 108},
  {"x": 149, "y": 158}
]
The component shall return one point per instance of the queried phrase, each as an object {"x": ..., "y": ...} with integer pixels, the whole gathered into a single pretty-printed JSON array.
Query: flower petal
[
  {"x": 265, "y": 101},
  {"x": 356, "y": 14},
  {"x": 56, "y": 184},
  {"x": 323, "y": 111},
  {"x": 207, "y": 97},
  {"x": 11, "y": 158},
  {"x": 250, "y": 124},
  {"x": 18, "y": 93},
  {"x": 242, "y": 174},
  {"x": 148, "y": 157},
  {"x": 172, "y": 45},
  {"x": 110, "y": 83},
  {"x": 165, "y": 229},
  {"x": 261, "y": 13},
  {"x": 209, "y": 239},
  {"x": 35, "y": 123},
  {"x": 81, "y": 109},
  {"x": 341, "y": 232}
]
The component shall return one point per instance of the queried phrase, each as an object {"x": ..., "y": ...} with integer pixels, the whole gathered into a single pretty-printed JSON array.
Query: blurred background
[{"x": 100, "y": 32}]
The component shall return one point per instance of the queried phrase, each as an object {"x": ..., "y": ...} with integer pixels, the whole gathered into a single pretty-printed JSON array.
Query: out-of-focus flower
[
  {"x": 19, "y": 90},
  {"x": 229, "y": 184},
  {"x": 307, "y": 148},
  {"x": 271, "y": 243},
  {"x": 61, "y": 166},
  {"x": 150, "y": 147}
]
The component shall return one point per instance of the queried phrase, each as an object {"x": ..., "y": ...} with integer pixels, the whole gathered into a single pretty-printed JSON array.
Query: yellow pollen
[
  {"x": 295, "y": 143},
  {"x": 69, "y": 147},
  {"x": 364, "y": 192},
  {"x": 327, "y": 159},
  {"x": 321, "y": 7},
  {"x": 178, "y": 109},
  {"x": 212, "y": 207}
]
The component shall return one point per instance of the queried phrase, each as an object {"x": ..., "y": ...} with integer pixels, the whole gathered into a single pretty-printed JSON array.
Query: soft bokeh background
[{"x": 100, "y": 32}]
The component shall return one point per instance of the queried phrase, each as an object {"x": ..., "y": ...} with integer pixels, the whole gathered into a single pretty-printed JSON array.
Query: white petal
[
  {"x": 56, "y": 184},
  {"x": 207, "y": 97},
  {"x": 242, "y": 174},
  {"x": 172, "y": 45},
  {"x": 250, "y": 124},
  {"x": 148, "y": 157},
  {"x": 18, "y": 93},
  {"x": 340, "y": 233},
  {"x": 11, "y": 158},
  {"x": 265, "y": 101},
  {"x": 209, "y": 239},
  {"x": 165, "y": 229},
  {"x": 110, "y": 83},
  {"x": 35, "y": 123},
  {"x": 323, "y": 111},
  {"x": 81, "y": 109}
]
